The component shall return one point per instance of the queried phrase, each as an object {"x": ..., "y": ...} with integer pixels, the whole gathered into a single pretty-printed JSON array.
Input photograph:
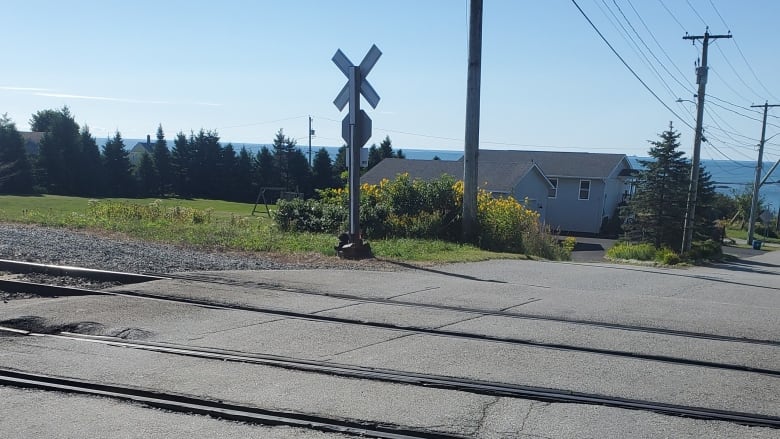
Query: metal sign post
[{"x": 356, "y": 130}]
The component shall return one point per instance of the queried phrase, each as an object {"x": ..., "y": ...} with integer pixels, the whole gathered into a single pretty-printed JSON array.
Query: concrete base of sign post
[{"x": 353, "y": 247}]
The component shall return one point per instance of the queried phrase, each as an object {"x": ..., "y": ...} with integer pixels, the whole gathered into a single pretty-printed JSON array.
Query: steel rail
[
  {"x": 436, "y": 381},
  {"x": 26, "y": 267},
  {"x": 486, "y": 312},
  {"x": 218, "y": 409},
  {"x": 19, "y": 286}
]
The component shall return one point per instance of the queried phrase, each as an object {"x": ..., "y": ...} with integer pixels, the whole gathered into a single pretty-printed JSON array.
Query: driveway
[{"x": 591, "y": 249}]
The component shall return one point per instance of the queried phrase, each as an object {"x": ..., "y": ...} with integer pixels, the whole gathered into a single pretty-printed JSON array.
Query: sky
[{"x": 249, "y": 68}]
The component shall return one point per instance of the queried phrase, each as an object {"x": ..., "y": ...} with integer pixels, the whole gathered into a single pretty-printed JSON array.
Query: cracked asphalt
[{"x": 739, "y": 299}]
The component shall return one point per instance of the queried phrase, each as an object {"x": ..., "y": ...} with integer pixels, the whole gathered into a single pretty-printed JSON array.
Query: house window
[
  {"x": 584, "y": 189},
  {"x": 553, "y": 191}
]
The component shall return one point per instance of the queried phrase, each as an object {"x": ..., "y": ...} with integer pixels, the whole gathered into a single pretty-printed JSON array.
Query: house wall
[
  {"x": 568, "y": 213},
  {"x": 615, "y": 188},
  {"x": 534, "y": 187}
]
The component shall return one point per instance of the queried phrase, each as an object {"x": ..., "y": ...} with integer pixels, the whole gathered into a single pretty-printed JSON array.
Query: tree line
[{"x": 69, "y": 162}]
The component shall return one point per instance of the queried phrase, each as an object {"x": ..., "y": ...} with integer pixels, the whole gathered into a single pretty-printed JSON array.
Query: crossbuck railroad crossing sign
[
  {"x": 356, "y": 127},
  {"x": 350, "y": 94}
]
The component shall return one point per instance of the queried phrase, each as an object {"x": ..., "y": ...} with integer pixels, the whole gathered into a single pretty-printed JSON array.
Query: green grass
[
  {"x": 757, "y": 234},
  {"x": 213, "y": 225}
]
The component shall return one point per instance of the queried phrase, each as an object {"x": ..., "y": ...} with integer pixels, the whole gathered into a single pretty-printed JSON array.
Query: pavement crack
[
  {"x": 413, "y": 292},
  {"x": 330, "y": 357},
  {"x": 528, "y": 413},
  {"x": 483, "y": 416},
  {"x": 336, "y": 307},
  {"x": 204, "y": 334},
  {"x": 532, "y": 300}
]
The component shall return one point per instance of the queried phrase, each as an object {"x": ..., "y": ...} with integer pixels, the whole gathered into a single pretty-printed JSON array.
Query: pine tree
[
  {"x": 205, "y": 173},
  {"x": 181, "y": 165},
  {"x": 245, "y": 190},
  {"x": 374, "y": 156},
  {"x": 322, "y": 170},
  {"x": 283, "y": 148},
  {"x": 91, "y": 176},
  {"x": 162, "y": 161},
  {"x": 59, "y": 165},
  {"x": 656, "y": 212},
  {"x": 265, "y": 174},
  {"x": 15, "y": 170},
  {"x": 119, "y": 178},
  {"x": 147, "y": 177},
  {"x": 227, "y": 181}
]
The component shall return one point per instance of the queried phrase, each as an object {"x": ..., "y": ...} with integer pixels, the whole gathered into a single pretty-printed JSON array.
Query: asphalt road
[{"x": 739, "y": 300}]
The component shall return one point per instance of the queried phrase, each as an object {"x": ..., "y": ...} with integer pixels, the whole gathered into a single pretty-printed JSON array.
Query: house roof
[
  {"x": 493, "y": 176},
  {"x": 389, "y": 168},
  {"x": 141, "y": 147},
  {"x": 558, "y": 164}
]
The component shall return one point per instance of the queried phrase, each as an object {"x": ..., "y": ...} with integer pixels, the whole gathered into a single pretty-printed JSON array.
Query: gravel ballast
[{"x": 117, "y": 253}]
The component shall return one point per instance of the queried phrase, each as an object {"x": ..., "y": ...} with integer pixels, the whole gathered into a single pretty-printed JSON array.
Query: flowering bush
[{"x": 406, "y": 208}]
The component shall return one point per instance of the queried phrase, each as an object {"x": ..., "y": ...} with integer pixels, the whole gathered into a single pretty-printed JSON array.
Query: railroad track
[
  {"x": 217, "y": 409},
  {"x": 130, "y": 278},
  {"x": 53, "y": 290},
  {"x": 481, "y": 387},
  {"x": 388, "y": 375}
]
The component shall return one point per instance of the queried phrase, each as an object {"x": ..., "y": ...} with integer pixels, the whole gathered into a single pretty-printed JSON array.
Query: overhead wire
[
  {"x": 742, "y": 54},
  {"x": 595, "y": 28},
  {"x": 634, "y": 45},
  {"x": 666, "y": 54}
]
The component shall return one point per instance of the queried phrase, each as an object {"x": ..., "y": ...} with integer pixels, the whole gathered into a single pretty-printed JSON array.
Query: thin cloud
[
  {"x": 10, "y": 88},
  {"x": 98, "y": 98},
  {"x": 124, "y": 100}
]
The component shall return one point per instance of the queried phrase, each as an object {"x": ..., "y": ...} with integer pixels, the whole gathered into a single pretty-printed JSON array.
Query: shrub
[
  {"x": 627, "y": 250},
  {"x": 705, "y": 250},
  {"x": 406, "y": 208},
  {"x": 667, "y": 256}
]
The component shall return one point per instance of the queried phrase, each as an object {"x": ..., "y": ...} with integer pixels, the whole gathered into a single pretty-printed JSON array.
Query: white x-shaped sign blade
[{"x": 368, "y": 92}]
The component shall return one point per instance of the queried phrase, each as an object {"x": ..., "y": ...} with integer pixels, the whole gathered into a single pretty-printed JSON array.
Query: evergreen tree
[
  {"x": 206, "y": 153},
  {"x": 386, "y": 147},
  {"x": 147, "y": 177},
  {"x": 299, "y": 172},
  {"x": 91, "y": 176},
  {"x": 245, "y": 190},
  {"x": 59, "y": 165},
  {"x": 119, "y": 178},
  {"x": 15, "y": 170},
  {"x": 374, "y": 156},
  {"x": 340, "y": 163},
  {"x": 227, "y": 181},
  {"x": 182, "y": 158},
  {"x": 162, "y": 161},
  {"x": 322, "y": 170},
  {"x": 656, "y": 212},
  {"x": 265, "y": 174},
  {"x": 283, "y": 148}
]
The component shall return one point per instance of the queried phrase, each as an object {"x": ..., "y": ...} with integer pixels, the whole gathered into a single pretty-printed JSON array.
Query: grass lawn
[
  {"x": 757, "y": 234},
  {"x": 213, "y": 225}
]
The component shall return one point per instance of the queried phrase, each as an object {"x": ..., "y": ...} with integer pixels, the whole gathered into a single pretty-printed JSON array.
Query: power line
[
  {"x": 697, "y": 13},
  {"x": 641, "y": 40},
  {"x": 742, "y": 54},
  {"x": 629, "y": 67},
  {"x": 674, "y": 17},
  {"x": 725, "y": 58},
  {"x": 647, "y": 28}
]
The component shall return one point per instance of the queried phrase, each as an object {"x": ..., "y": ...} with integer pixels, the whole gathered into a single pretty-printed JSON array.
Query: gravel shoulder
[{"x": 120, "y": 253}]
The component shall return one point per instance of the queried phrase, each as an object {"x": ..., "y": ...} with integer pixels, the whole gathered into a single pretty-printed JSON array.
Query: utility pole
[
  {"x": 310, "y": 134},
  {"x": 758, "y": 182},
  {"x": 471, "y": 147},
  {"x": 701, "y": 79}
]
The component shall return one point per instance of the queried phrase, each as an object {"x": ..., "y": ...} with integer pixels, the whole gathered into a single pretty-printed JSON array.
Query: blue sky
[{"x": 248, "y": 68}]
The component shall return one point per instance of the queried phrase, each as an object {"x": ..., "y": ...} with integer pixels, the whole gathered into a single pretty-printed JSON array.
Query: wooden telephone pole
[{"x": 701, "y": 79}]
